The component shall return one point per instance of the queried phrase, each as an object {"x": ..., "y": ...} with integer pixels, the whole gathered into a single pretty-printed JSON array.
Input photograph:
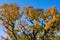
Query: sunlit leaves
[
  {"x": 36, "y": 27},
  {"x": 32, "y": 27},
  {"x": 32, "y": 13},
  {"x": 2, "y": 23},
  {"x": 10, "y": 11},
  {"x": 9, "y": 33},
  {"x": 30, "y": 24},
  {"x": 54, "y": 18},
  {"x": 47, "y": 25}
]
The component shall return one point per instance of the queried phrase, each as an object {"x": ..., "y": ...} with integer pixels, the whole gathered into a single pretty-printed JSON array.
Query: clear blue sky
[{"x": 35, "y": 3}]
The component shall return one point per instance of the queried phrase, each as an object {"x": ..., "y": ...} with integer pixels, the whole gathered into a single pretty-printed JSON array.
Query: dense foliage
[{"x": 29, "y": 23}]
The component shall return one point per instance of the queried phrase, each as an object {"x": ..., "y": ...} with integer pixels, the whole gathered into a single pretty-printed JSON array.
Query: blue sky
[{"x": 35, "y": 3}]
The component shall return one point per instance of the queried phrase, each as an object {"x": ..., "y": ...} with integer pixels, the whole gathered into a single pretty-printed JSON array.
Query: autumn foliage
[{"x": 33, "y": 23}]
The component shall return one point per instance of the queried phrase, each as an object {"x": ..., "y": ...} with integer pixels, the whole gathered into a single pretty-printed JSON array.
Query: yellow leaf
[{"x": 2, "y": 23}]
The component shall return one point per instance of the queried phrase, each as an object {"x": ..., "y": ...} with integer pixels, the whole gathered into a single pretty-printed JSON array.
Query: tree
[
  {"x": 36, "y": 24},
  {"x": 9, "y": 14}
]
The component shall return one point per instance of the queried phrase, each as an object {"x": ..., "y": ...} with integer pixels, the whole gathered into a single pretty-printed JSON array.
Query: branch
[
  {"x": 13, "y": 31},
  {"x": 25, "y": 34},
  {"x": 14, "y": 35},
  {"x": 22, "y": 26},
  {"x": 8, "y": 29}
]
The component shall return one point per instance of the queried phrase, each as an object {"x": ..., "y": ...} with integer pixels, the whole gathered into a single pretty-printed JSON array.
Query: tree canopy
[{"x": 37, "y": 23}]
